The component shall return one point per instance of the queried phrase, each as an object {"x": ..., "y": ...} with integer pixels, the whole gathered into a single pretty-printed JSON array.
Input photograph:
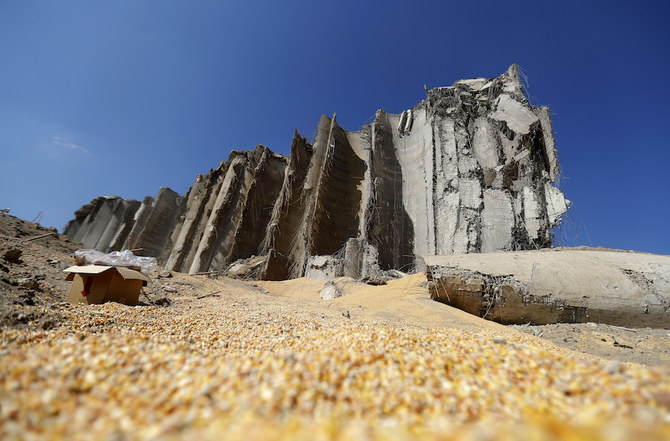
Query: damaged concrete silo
[{"x": 471, "y": 168}]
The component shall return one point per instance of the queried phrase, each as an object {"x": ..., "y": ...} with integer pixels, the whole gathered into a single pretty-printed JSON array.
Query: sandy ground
[
  {"x": 404, "y": 301},
  {"x": 407, "y": 301},
  {"x": 207, "y": 358}
]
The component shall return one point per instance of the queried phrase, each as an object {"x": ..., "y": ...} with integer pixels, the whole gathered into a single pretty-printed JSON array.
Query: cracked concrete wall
[
  {"x": 126, "y": 223},
  {"x": 249, "y": 210},
  {"x": 120, "y": 223},
  {"x": 279, "y": 244},
  {"x": 268, "y": 178},
  {"x": 226, "y": 196},
  {"x": 165, "y": 211},
  {"x": 472, "y": 168},
  {"x": 139, "y": 222},
  {"x": 199, "y": 203},
  {"x": 101, "y": 222},
  {"x": 110, "y": 223},
  {"x": 388, "y": 227}
]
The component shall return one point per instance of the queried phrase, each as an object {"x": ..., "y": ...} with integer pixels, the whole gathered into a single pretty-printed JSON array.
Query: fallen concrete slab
[{"x": 556, "y": 286}]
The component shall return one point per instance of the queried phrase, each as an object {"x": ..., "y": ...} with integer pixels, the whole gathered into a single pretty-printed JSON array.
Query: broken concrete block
[
  {"x": 330, "y": 291},
  {"x": 409, "y": 122},
  {"x": 361, "y": 260},
  {"x": 549, "y": 149},
  {"x": 353, "y": 259},
  {"x": 140, "y": 220},
  {"x": 497, "y": 221},
  {"x": 474, "y": 84},
  {"x": 518, "y": 117},
  {"x": 485, "y": 144},
  {"x": 402, "y": 122},
  {"x": 556, "y": 203},
  {"x": 323, "y": 268},
  {"x": 531, "y": 213},
  {"x": 470, "y": 191},
  {"x": 246, "y": 268},
  {"x": 554, "y": 286}
]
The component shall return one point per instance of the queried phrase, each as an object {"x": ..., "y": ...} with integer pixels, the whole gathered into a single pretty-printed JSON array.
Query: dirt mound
[
  {"x": 32, "y": 259},
  {"x": 13, "y": 227}
]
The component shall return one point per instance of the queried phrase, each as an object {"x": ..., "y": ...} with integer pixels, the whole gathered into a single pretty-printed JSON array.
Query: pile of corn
[{"x": 223, "y": 369}]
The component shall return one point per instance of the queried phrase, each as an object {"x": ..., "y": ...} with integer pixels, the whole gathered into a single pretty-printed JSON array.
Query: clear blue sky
[{"x": 123, "y": 97}]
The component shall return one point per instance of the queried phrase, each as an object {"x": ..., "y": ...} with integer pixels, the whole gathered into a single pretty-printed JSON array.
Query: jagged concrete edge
[{"x": 469, "y": 169}]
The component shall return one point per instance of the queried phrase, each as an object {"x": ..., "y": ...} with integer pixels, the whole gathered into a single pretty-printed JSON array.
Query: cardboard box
[{"x": 100, "y": 283}]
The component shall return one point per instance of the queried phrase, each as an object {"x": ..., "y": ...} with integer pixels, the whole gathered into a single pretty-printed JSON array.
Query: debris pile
[{"x": 469, "y": 169}]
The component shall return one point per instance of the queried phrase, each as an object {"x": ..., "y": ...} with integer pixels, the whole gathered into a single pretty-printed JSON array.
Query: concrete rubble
[
  {"x": 330, "y": 291},
  {"x": 472, "y": 168},
  {"x": 556, "y": 286}
]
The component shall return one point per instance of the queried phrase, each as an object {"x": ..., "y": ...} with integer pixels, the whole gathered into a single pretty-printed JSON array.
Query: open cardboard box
[{"x": 101, "y": 283}]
